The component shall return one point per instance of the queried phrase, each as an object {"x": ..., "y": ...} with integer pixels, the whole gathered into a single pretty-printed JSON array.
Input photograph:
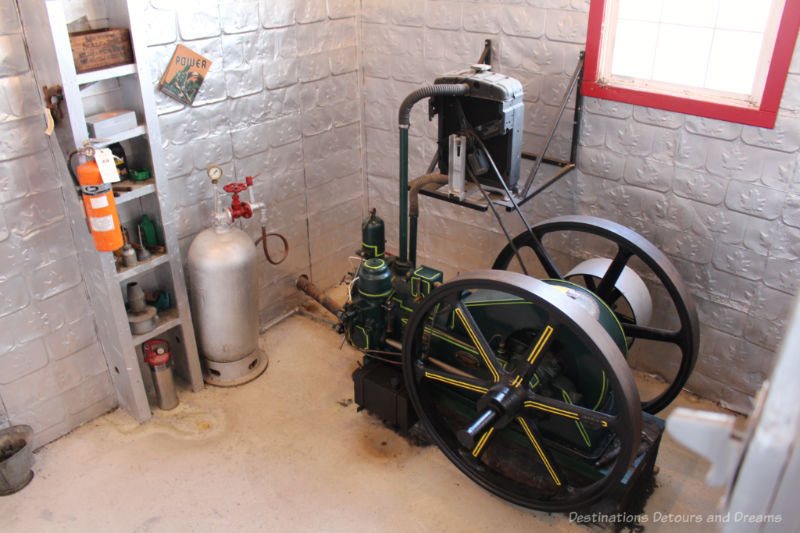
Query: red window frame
[{"x": 763, "y": 116}]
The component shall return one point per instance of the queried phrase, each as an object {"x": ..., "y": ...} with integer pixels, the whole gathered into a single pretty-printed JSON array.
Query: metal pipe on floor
[{"x": 305, "y": 285}]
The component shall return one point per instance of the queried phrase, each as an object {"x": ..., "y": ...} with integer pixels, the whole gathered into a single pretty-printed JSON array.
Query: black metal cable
[
  {"x": 72, "y": 170},
  {"x": 499, "y": 220},
  {"x": 549, "y": 266},
  {"x": 467, "y": 127}
]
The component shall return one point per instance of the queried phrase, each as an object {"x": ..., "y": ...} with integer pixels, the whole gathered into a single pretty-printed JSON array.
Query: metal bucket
[{"x": 16, "y": 458}]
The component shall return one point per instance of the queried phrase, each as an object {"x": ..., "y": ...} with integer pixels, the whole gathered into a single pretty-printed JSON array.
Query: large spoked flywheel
[
  {"x": 523, "y": 386},
  {"x": 633, "y": 277}
]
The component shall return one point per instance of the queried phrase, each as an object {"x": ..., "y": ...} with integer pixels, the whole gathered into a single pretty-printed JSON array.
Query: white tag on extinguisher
[
  {"x": 105, "y": 223},
  {"x": 98, "y": 202},
  {"x": 105, "y": 163}
]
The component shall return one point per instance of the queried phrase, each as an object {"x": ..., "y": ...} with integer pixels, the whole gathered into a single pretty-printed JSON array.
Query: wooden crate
[{"x": 94, "y": 49}]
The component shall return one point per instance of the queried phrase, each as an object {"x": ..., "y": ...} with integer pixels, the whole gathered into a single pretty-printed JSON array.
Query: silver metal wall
[{"x": 53, "y": 374}]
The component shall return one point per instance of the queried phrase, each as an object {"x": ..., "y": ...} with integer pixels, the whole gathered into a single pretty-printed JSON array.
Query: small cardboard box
[
  {"x": 95, "y": 49},
  {"x": 110, "y": 123}
]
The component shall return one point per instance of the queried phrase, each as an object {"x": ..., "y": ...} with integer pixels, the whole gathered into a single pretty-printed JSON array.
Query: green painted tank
[{"x": 373, "y": 240}]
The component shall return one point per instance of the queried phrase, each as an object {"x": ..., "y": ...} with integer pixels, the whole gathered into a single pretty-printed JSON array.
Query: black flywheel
[
  {"x": 523, "y": 386},
  {"x": 633, "y": 278}
]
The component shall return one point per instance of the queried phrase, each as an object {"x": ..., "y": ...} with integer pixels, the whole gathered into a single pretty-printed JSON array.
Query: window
[{"x": 724, "y": 59}]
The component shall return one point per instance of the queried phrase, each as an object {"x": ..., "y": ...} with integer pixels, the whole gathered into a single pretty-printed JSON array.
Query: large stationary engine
[{"x": 523, "y": 383}]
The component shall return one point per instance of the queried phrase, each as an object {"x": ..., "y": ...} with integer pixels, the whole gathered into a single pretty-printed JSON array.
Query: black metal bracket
[
  {"x": 574, "y": 85},
  {"x": 53, "y": 96},
  {"x": 486, "y": 55}
]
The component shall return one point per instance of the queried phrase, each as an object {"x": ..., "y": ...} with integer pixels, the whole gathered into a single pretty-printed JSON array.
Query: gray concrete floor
[{"x": 289, "y": 452}]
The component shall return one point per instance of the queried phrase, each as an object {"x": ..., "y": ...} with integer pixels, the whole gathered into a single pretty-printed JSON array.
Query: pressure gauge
[{"x": 214, "y": 172}]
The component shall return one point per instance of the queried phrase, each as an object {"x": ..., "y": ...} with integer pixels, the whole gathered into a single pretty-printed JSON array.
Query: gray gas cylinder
[{"x": 223, "y": 283}]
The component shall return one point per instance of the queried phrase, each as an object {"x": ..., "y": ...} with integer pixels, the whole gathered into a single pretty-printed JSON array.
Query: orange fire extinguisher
[{"x": 98, "y": 200}]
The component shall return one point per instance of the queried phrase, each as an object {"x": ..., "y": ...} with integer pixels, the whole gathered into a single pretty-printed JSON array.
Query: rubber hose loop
[
  {"x": 72, "y": 170},
  {"x": 263, "y": 241}
]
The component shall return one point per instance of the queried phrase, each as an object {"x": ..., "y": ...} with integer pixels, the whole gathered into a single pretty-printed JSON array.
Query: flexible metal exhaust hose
[
  {"x": 444, "y": 89},
  {"x": 417, "y": 184}
]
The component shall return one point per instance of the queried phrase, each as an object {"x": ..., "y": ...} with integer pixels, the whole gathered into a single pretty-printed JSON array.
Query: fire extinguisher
[{"x": 98, "y": 200}]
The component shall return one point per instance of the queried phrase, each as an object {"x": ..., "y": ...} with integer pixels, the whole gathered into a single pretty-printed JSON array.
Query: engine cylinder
[
  {"x": 223, "y": 276},
  {"x": 373, "y": 240},
  {"x": 375, "y": 279},
  {"x": 366, "y": 329}
]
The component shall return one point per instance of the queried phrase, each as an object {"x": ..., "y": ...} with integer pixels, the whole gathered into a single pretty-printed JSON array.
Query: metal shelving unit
[{"x": 52, "y": 57}]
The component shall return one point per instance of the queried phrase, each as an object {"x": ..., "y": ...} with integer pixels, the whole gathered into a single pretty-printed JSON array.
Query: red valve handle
[
  {"x": 234, "y": 188},
  {"x": 152, "y": 355}
]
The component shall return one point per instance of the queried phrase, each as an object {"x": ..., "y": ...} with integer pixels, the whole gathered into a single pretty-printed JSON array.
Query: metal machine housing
[{"x": 493, "y": 104}]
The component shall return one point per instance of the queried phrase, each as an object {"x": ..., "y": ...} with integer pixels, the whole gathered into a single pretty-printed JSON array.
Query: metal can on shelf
[{"x": 158, "y": 358}]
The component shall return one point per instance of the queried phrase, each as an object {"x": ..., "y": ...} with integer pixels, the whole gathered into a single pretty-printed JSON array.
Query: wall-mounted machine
[{"x": 522, "y": 382}]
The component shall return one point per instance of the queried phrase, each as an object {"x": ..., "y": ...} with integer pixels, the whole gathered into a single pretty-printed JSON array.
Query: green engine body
[{"x": 382, "y": 300}]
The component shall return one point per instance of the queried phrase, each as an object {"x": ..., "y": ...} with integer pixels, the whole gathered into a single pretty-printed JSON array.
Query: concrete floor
[{"x": 289, "y": 452}]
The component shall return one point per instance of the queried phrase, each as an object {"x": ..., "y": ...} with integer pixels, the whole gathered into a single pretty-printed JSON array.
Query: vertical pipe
[
  {"x": 403, "y": 226},
  {"x": 412, "y": 243}
]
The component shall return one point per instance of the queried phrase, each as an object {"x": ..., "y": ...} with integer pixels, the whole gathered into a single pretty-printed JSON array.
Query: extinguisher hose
[
  {"x": 263, "y": 241},
  {"x": 72, "y": 170}
]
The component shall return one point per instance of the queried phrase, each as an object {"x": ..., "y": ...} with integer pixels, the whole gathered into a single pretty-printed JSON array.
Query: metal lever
[{"x": 468, "y": 436}]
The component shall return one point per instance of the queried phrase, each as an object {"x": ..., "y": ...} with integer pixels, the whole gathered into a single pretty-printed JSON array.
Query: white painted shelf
[
  {"x": 127, "y": 273},
  {"x": 126, "y": 135},
  {"x": 106, "y": 74},
  {"x": 132, "y": 87}
]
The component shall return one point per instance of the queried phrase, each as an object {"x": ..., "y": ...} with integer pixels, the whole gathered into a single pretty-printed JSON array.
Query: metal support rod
[
  {"x": 486, "y": 55},
  {"x": 576, "y": 118},
  {"x": 549, "y": 160},
  {"x": 554, "y": 178},
  {"x": 572, "y": 83}
]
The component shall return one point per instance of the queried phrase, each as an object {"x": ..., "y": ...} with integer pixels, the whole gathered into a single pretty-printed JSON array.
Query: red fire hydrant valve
[
  {"x": 234, "y": 188},
  {"x": 238, "y": 208}
]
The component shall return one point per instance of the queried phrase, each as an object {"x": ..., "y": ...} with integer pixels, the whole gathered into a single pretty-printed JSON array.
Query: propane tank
[{"x": 223, "y": 279}]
